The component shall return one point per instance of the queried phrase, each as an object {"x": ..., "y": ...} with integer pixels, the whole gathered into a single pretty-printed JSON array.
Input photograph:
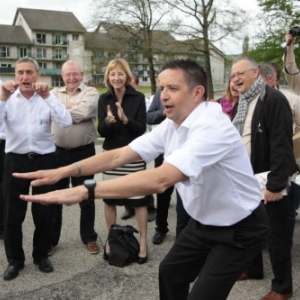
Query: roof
[
  {"x": 11, "y": 34},
  {"x": 50, "y": 20}
]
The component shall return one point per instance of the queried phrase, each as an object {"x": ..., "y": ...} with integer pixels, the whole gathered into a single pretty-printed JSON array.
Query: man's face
[
  {"x": 71, "y": 76},
  {"x": 26, "y": 74},
  {"x": 272, "y": 81},
  {"x": 243, "y": 76},
  {"x": 176, "y": 97}
]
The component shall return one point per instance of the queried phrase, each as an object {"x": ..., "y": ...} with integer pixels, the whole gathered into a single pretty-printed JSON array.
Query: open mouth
[{"x": 27, "y": 84}]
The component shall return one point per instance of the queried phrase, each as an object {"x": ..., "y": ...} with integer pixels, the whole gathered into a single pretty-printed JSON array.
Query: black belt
[
  {"x": 75, "y": 149},
  {"x": 31, "y": 155}
]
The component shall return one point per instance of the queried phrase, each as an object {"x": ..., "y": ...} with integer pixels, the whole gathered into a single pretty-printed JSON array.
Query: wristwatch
[{"x": 90, "y": 185}]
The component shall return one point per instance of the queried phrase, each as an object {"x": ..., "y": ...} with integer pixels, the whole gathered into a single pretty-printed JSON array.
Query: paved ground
[{"x": 79, "y": 275}]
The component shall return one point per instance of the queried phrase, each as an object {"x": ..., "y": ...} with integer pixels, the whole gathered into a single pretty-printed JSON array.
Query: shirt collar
[{"x": 63, "y": 89}]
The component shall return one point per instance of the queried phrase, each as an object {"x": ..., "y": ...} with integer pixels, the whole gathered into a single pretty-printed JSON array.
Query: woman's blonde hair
[{"x": 121, "y": 62}]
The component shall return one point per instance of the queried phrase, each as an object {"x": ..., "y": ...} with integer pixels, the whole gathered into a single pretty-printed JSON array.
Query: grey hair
[
  {"x": 248, "y": 59},
  {"x": 29, "y": 59},
  {"x": 72, "y": 63},
  {"x": 266, "y": 69}
]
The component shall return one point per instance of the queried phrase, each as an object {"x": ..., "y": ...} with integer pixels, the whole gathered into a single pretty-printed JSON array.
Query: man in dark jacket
[{"x": 264, "y": 120}]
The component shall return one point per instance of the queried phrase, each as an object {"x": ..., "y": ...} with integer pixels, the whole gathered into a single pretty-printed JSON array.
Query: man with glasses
[
  {"x": 75, "y": 143},
  {"x": 264, "y": 121}
]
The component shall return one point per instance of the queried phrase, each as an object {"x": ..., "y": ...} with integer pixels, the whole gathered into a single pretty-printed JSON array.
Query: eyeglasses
[
  {"x": 68, "y": 75},
  {"x": 239, "y": 74}
]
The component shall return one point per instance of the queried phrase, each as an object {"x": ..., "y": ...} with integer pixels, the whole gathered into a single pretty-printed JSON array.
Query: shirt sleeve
[
  {"x": 292, "y": 75},
  {"x": 59, "y": 113}
]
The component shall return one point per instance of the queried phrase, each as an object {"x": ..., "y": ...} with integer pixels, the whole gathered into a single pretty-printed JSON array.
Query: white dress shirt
[
  {"x": 28, "y": 122},
  {"x": 220, "y": 189}
]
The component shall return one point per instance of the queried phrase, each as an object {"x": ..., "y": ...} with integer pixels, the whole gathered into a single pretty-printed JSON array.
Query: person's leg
[
  {"x": 14, "y": 210},
  {"x": 182, "y": 216},
  {"x": 110, "y": 214},
  {"x": 128, "y": 213},
  {"x": 142, "y": 221},
  {"x": 2, "y": 155},
  {"x": 217, "y": 255},
  {"x": 278, "y": 246}
]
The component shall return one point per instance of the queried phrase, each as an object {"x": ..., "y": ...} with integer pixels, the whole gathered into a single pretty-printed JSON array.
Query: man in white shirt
[
  {"x": 2, "y": 154},
  {"x": 206, "y": 160},
  {"x": 27, "y": 109}
]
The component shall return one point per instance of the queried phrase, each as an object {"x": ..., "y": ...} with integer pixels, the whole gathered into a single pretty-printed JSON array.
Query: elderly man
[
  {"x": 201, "y": 146},
  {"x": 75, "y": 143},
  {"x": 264, "y": 120},
  {"x": 272, "y": 78},
  {"x": 27, "y": 109}
]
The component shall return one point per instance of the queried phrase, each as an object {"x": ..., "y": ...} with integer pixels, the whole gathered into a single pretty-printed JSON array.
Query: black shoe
[
  {"x": 151, "y": 215},
  {"x": 142, "y": 260},
  {"x": 158, "y": 238},
  {"x": 127, "y": 214},
  {"x": 12, "y": 271},
  {"x": 45, "y": 265}
]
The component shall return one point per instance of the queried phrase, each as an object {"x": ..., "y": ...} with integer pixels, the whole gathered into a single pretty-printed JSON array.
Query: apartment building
[{"x": 51, "y": 37}]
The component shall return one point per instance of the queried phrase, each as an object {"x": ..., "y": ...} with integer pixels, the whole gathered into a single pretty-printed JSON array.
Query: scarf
[{"x": 244, "y": 101}]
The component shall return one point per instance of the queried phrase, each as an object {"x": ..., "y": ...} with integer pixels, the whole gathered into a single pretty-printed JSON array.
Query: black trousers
[
  {"x": 87, "y": 208},
  {"x": 15, "y": 209},
  {"x": 216, "y": 255},
  {"x": 279, "y": 247},
  {"x": 2, "y": 156},
  {"x": 163, "y": 202}
]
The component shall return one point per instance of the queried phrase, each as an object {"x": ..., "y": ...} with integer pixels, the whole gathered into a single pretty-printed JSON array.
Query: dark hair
[
  {"x": 135, "y": 78},
  {"x": 277, "y": 69},
  {"x": 194, "y": 74}
]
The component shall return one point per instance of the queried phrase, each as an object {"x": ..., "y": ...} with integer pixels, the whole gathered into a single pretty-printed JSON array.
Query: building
[
  {"x": 118, "y": 40},
  {"x": 51, "y": 37}
]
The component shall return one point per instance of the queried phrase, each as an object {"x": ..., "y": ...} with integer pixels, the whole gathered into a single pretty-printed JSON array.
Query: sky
[{"x": 82, "y": 10}]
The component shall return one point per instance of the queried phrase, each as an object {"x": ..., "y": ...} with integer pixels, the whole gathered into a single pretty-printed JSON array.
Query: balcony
[
  {"x": 9, "y": 70},
  {"x": 62, "y": 57},
  {"x": 49, "y": 71},
  {"x": 61, "y": 43}
]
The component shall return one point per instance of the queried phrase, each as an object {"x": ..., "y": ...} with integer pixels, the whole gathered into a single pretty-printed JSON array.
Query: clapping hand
[
  {"x": 121, "y": 113},
  {"x": 110, "y": 118}
]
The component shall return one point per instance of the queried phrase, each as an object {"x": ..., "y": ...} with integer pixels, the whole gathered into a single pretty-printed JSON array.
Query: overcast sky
[{"x": 82, "y": 10}]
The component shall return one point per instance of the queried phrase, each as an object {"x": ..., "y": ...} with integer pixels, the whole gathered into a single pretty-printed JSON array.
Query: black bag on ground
[{"x": 124, "y": 247}]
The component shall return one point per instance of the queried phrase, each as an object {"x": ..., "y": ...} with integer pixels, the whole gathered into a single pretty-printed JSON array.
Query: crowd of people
[{"x": 221, "y": 229}]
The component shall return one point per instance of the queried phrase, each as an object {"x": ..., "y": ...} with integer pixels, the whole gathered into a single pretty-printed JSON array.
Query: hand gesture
[
  {"x": 289, "y": 39},
  {"x": 8, "y": 88},
  {"x": 272, "y": 197},
  {"x": 121, "y": 114},
  {"x": 42, "y": 89},
  {"x": 110, "y": 118}
]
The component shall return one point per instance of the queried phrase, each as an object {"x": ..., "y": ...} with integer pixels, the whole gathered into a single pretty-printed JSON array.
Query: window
[
  {"x": 4, "y": 52},
  {"x": 57, "y": 80},
  {"x": 41, "y": 38},
  {"x": 58, "y": 39},
  {"x": 41, "y": 53},
  {"x": 5, "y": 66},
  {"x": 75, "y": 37},
  {"x": 145, "y": 79},
  {"x": 43, "y": 65},
  {"x": 23, "y": 52},
  {"x": 57, "y": 54}
]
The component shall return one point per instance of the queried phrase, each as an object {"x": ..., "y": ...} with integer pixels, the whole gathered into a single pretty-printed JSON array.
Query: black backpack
[{"x": 124, "y": 247}]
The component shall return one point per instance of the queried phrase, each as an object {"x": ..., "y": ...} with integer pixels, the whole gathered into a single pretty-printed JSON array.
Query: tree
[
  {"x": 246, "y": 45},
  {"x": 136, "y": 20},
  {"x": 208, "y": 21},
  {"x": 277, "y": 17}
]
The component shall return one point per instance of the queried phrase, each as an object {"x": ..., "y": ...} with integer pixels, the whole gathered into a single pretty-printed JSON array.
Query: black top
[{"x": 117, "y": 134}]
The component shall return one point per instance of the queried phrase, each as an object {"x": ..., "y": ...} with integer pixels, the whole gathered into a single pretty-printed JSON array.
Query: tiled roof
[
  {"x": 11, "y": 34},
  {"x": 50, "y": 20}
]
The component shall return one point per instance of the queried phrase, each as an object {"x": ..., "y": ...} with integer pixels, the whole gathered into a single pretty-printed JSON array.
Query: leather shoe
[
  {"x": 142, "y": 260},
  {"x": 151, "y": 215},
  {"x": 245, "y": 276},
  {"x": 127, "y": 214},
  {"x": 93, "y": 247},
  {"x": 12, "y": 271},
  {"x": 158, "y": 238},
  {"x": 45, "y": 265},
  {"x": 276, "y": 296}
]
